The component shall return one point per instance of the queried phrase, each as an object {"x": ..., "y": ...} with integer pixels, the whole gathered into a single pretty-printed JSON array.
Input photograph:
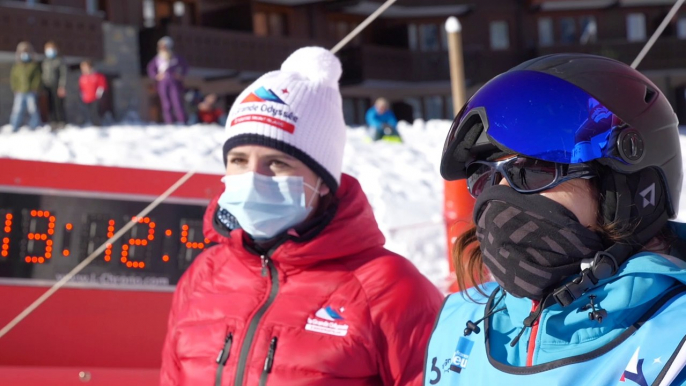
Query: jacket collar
[{"x": 568, "y": 331}]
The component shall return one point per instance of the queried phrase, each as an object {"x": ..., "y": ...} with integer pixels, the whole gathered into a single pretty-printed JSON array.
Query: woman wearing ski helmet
[
  {"x": 299, "y": 289},
  {"x": 576, "y": 166}
]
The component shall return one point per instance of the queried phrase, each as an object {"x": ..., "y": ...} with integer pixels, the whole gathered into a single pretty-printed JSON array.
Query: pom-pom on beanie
[{"x": 297, "y": 110}]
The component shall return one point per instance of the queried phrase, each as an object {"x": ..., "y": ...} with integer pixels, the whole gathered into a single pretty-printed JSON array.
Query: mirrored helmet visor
[{"x": 537, "y": 115}]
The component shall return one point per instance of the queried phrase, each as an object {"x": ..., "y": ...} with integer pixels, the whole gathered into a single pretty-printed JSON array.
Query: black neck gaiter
[{"x": 530, "y": 243}]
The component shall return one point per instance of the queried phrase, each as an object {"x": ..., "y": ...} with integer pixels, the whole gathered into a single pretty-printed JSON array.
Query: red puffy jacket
[{"x": 337, "y": 310}]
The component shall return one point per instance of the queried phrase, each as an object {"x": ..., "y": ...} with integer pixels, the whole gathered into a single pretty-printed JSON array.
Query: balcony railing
[
  {"x": 210, "y": 48},
  {"x": 225, "y": 50},
  {"x": 667, "y": 52},
  {"x": 385, "y": 63},
  {"x": 75, "y": 32},
  {"x": 240, "y": 51}
]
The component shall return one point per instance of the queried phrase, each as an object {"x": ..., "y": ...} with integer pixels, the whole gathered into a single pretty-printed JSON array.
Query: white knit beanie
[{"x": 297, "y": 110}]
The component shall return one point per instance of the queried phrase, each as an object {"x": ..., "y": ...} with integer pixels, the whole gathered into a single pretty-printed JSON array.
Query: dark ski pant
[
  {"x": 56, "y": 111},
  {"x": 92, "y": 112}
]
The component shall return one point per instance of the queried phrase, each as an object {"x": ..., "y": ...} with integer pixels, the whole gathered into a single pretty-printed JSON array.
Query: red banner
[{"x": 283, "y": 125}]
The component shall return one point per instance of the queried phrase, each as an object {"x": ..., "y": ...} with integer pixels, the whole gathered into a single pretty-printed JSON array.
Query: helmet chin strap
[{"x": 638, "y": 201}]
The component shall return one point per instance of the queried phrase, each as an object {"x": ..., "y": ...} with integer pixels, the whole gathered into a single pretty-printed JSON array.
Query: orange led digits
[
  {"x": 110, "y": 233},
  {"x": 185, "y": 234},
  {"x": 37, "y": 237},
  {"x": 69, "y": 226},
  {"x": 138, "y": 242},
  {"x": 8, "y": 225}
]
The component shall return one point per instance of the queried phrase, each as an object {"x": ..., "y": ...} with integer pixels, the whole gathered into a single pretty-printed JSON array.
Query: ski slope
[{"x": 402, "y": 181}]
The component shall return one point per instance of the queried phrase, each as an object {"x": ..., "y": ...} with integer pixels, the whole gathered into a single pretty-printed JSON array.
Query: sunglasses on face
[{"x": 525, "y": 175}]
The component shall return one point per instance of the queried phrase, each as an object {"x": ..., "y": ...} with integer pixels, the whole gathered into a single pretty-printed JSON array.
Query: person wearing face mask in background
[
  {"x": 168, "y": 70},
  {"x": 54, "y": 75},
  {"x": 299, "y": 289},
  {"x": 25, "y": 81},
  {"x": 575, "y": 164}
]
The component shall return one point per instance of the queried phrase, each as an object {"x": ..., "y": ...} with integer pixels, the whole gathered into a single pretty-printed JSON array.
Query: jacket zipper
[
  {"x": 267, "y": 267},
  {"x": 222, "y": 358},
  {"x": 534, "y": 334},
  {"x": 268, "y": 362}
]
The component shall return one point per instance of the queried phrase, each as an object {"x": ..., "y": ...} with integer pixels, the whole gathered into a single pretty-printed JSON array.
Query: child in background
[
  {"x": 54, "y": 77},
  {"x": 208, "y": 112},
  {"x": 92, "y": 85}
]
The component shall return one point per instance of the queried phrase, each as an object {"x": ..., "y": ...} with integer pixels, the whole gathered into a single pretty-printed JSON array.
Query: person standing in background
[
  {"x": 54, "y": 77},
  {"x": 25, "y": 81},
  {"x": 169, "y": 69},
  {"x": 92, "y": 85}
]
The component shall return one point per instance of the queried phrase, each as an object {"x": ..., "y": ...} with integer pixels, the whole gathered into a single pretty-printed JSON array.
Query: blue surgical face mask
[
  {"x": 50, "y": 53},
  {"x": 25, "y": 57},
  {"x": 266, "y": 206}
]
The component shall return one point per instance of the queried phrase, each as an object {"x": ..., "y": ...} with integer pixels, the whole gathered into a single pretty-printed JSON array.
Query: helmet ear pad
[{"x": 636, "y": 203}]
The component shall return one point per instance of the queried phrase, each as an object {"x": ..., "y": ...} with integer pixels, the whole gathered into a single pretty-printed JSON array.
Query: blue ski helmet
[{"x": 578, "y": 108}]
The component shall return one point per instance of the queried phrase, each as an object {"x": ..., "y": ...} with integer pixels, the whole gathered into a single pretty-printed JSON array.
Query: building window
[
  {"x": 449, "y": 107},
  {"x": 416, "y": 105},
  {"x": 426, "y": 37},
  {"x": 149, "y": 13},
  {"x": 636, "y": 27},
  {"x": 277, "y": 24},
  {"x": 681, "y": 28},
  {"x": 444, "y": 38},
  {"x": 412, "y": 41},
  {"x": 589, "y": 30},
  {"x": 340, "y": 29},
  {"x": 349, "y": 112},
  {"x": 567, "y": 30},
  {"x": 179, "y": 8},
  {"x": 500, "y": 35},
  {"x": 433, "y": 106},
  {"x": 429, "y": 38},
  {"x": 545, "y": 32},
  {"x": 91, "y": 6},
  {"x": 270, "y": 24}
]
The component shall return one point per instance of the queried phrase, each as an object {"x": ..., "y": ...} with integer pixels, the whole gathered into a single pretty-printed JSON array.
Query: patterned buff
[{"x": 530, "y": 243}]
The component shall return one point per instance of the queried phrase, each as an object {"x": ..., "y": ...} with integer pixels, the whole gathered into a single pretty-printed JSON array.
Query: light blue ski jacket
[{"x": 641, "y": 341}]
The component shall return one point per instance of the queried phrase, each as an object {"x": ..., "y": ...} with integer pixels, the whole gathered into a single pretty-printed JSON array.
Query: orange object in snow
[{"x": 457, "y": 210}]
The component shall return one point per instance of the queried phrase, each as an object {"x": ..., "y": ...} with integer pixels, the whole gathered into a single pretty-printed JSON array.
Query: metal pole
[
  {"x": 454, "y": 30},
  {"x": 457, "y": 202}
]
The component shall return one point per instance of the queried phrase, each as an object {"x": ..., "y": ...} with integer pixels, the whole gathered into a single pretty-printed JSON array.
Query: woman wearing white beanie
[{"x": 300, "y": 290}]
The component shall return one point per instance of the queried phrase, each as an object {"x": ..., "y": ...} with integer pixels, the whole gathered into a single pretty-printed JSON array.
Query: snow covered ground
[{"x": 402, "y": 181}]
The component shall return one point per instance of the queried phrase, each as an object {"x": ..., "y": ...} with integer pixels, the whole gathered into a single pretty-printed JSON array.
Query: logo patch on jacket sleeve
[
  {"x": 634, "y": 370},
  {"x": 327, "y": 321},
  {"x": 461, "y": 356}
]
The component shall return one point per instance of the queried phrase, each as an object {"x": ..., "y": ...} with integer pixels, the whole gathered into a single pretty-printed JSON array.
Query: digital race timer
[
  {"x": 46, "y": 236},
  {"x": 45, "y": 232}
]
